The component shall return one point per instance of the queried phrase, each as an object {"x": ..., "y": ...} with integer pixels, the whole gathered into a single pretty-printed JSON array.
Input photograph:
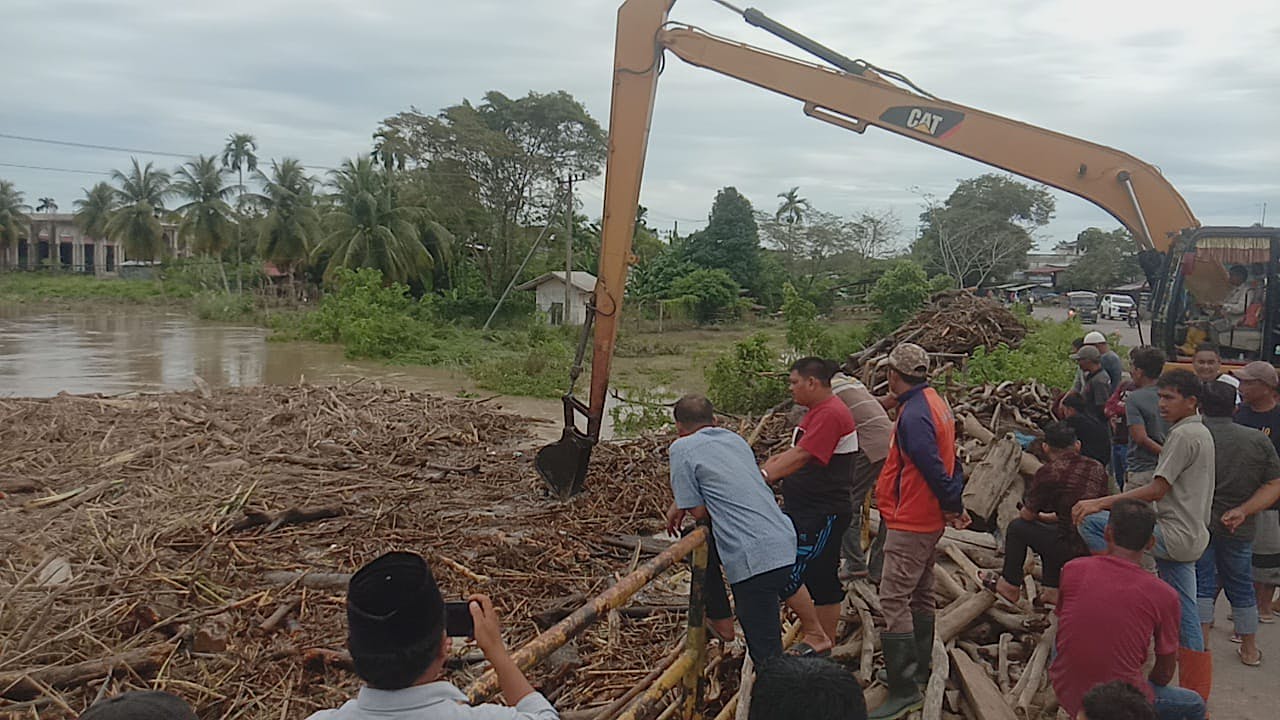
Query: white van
[{"x": 1116, "y": 307}]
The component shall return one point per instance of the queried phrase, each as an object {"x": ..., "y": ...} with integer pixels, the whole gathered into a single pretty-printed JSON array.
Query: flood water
[{"x": 124, "y": 349}]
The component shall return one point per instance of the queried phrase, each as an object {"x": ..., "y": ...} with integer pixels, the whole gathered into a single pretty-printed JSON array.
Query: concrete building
[
  {"x": 550, "y": 299},
  {"x": 56, "y": 236}
]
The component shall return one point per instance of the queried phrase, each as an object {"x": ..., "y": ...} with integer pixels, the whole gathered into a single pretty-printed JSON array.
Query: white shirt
[{"x": 434, "y": 701}]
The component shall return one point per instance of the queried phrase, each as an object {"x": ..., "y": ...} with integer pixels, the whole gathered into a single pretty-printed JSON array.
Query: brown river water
[{"x": 127, "y": 349}]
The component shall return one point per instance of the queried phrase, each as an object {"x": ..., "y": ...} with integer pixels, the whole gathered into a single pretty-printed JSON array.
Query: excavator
[{"x": 1192, "y": 270}]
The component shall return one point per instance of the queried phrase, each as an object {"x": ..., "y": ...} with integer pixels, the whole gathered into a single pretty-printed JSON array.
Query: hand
[
  {"x": 488, "y": 632},
  {"x": 675, "y": 516},
  {"x": 960, "y": 520},
  {"x": 1233, "y": 519},
  {"x": 1084, "y": 509}
]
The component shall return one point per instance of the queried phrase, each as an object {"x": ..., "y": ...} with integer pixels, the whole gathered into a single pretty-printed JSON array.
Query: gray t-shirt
[
  {"x": 1142, "y": 407},
  {"x": 1245, "y": 461},
  {"x": 1097, "y": 389},
  {"x": 1114, "y": 368},
  {"x": 1187, "y": 463}
]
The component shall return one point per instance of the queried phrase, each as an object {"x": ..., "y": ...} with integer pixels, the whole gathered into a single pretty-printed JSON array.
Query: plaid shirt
[{"x": 1057, "y": 486}]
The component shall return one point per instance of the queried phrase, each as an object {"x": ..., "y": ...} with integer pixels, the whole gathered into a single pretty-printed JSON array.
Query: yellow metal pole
[
  {"x": 696, "y": 638},
  {"x": 644, "y": 704}
]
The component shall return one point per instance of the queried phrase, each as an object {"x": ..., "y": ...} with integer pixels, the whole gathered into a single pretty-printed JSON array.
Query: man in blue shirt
[{"x": 714, "y": 475}]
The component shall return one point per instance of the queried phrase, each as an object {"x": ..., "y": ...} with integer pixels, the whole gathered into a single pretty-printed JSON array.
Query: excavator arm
[{"x": 851, "y": 95}]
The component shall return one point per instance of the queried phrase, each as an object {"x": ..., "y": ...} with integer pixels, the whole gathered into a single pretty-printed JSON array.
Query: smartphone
[{"x": 457, "y": 619}]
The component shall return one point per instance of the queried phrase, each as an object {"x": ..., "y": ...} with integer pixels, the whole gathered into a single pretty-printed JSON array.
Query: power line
[
  {"x": 53, "y": 169},
  {"x": 91, "y": 146}
]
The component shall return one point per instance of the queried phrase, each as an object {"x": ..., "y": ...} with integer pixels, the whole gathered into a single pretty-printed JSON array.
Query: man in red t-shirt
[
  {"x": 817, "y": 479},
  {"x": 1100, "y": 640}
]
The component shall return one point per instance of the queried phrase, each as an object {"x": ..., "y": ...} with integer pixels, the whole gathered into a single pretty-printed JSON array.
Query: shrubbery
[
  {"x": 1043, "y": 355},
  {"x": 747, "y": 379}
]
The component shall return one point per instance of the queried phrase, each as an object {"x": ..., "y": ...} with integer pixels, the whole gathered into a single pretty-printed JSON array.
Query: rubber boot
[
  {"x": 900, "y": 667},
  {"x": 1195, "y": 671},
  {"x": 923, "y": 631}
]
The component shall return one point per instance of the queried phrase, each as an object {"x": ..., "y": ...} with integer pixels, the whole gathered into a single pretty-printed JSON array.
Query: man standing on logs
[
  {"x": 874, "y": 428},
  {"x": 918, "y": 494},
  {"x": 1101, "y": 640},
  {"x": 817, "y": 479},
  {"x": 713, "y": 474},
  {"x": 1182, "y": 491}
]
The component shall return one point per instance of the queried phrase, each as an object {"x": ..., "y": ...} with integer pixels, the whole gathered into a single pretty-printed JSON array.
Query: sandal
[
  {"x": 990, "y": 580},
  {"x": 1236, "y": 638},
  {"x": 1255, "y": 663},
  {"x": 1266, "y": 619},
  {"x": 804, "y": 649}
]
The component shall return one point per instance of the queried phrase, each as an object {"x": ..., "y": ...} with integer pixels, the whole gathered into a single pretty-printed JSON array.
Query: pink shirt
[{"x": 1108, "y": 611}]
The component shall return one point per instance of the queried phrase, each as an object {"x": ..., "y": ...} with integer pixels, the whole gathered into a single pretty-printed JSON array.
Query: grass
[{"x": 19, "y": 287}]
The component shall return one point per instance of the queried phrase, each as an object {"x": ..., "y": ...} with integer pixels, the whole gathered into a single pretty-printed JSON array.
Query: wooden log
[
  {"x": 969, "y": 570},
  {"x": 1035, "y": 672},
  {"x": 292, "y": 516},
  {"x": 935, "y": 691},
  {"x": 983, "y": 695},
  {"x": 1002, "y": 663},
  {"x": 313, "y": 580},
  {"x": 28, "y": 683},
  {"x": 951, "y": 624},
  {"x": 283, "y": 611},
  {"x": 991, "y": 478},
  {"x": 1018, "y": 622},
  {"x": 946, "y": 584}
]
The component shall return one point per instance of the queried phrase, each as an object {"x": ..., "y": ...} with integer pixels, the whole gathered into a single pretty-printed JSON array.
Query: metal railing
[{"x": 686, "y": 670}]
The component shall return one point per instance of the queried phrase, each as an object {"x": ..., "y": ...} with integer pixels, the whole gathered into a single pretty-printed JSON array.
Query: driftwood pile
[{"x": 201, "y": 542}]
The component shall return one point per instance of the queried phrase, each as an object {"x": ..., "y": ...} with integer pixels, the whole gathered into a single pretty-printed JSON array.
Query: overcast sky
[{"x": 1190, "y": 86}]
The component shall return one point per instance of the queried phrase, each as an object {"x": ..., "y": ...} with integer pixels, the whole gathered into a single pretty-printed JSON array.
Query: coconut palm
[
  {"x": 93, "y": 211},
  {"x": 136, "y": 223},
  {"x": 792, "y": 210},
  {"x": 206, "y": 216},
  {"x": 14, "y": 222},
  {"x": 291, "y": 229},
  {"x": 369, "y": 226},
  {"x": 49, "y": 206},
  {"x": 239, "y": 155}
]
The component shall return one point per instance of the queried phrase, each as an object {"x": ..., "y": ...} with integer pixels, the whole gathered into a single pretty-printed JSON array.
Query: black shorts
[{"x": 818, "y": 558}]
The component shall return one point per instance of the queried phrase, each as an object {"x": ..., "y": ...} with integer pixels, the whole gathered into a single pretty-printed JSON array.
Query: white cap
[{"x": 1094, "y": 338}]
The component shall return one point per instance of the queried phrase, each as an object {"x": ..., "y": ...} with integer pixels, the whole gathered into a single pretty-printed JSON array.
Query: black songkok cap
[{"x": 393, "y": 603}]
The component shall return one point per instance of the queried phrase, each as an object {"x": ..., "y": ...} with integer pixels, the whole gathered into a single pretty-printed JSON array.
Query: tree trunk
[{"x": 239, "y": 236}]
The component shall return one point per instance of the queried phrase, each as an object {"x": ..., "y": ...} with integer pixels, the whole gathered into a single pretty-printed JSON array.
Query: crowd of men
[{"x": 1193, "y": 456}]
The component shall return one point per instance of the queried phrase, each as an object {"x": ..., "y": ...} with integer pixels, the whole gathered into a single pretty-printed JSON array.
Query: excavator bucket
[{"x": 563, "y": 464}]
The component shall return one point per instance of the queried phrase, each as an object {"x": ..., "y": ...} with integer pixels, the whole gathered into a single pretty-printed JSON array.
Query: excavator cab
[{"x": 1220, "y": 285}]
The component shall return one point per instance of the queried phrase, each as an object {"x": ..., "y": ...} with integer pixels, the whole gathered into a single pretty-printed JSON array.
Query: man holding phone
[{"x": 397, "y": 635}]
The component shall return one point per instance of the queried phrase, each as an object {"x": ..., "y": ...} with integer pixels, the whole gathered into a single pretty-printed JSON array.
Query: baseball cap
[
  {"x": 1263, "y": 372},
  {"x": 1087, "y": 352},
  {"x": 910, "y": 360},
  {"x": 1094, "y": 337},
  {"x": 140, "y": 705}
]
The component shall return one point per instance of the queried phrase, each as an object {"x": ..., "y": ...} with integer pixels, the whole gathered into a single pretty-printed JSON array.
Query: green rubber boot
[
  {"x": 923, "y": 631},
  {"x": 900, "y": 667}
]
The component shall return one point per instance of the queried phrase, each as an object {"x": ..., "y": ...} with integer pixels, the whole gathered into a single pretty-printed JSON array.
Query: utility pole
[{"x": 568, "y": 182}]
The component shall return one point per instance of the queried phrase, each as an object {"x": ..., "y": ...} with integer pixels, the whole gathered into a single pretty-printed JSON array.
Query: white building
[
  {"x": 56, "y": 239},
  {"x": 550, "y": 300}
]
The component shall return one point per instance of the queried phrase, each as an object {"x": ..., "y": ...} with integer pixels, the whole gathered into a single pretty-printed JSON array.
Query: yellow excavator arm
[{"x": 852, "y": 95}]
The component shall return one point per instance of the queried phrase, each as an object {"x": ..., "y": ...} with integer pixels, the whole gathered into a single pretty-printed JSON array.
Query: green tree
[
  {"x": 239, "y": 155},
  {"x": 369, "y": 227},
  {"x": 899, "y": 294},
  {"x": 1106, "y": 259},
  {"x": 206, "y": 216},
  {"x": 49, "y": 206},
  {"x": 135, "y": 224},
  {"x": 713, "y": 293},
  {"x": 513, "y": 150},
  {"x": 93, "y": 211},
  {"x": 791, "y": 212},
  {"x": 731, "y": 240},
  {"x": 746, "y": 380},
  {"x": 983, "y": 230},
  {"x": 15, "y": 224},
  {"x": 291, "y": 228}
]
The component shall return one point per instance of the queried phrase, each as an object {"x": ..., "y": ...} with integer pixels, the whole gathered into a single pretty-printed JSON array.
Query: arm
[
  {"x": 785, "y": 463},
  {"x": 1162, "y": 671},
  {"x": 919, "y": 441},
  {"x": 488, "y": 634},
  {"x": 1138, "y": 434},
  {"x": 1150, "y": 493},
  {"x": 1263, "y": 498}
]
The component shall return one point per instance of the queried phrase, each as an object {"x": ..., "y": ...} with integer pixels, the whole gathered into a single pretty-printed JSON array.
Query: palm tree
[
  {"x": 93, "y": 211},
  {"x": 49, "y": 206},
  {"x": 792, "y": 210},
  {"x": 291, "y": 229},
  {"x": 369, "y": 227},
  {"x": 239, "y": 155},
  {"x": 14, "y": 222},
  {"x": 206, "y": 217},
  {"x": 136, "y": 224}
]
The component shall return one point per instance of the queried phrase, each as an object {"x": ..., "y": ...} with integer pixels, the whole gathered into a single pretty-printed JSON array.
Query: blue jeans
[
  {"x": 1228, "y": 561},
  {"x": 1120, "y": 463},
  {"x": 1175, "y": 703},
  {"x": 1181, "y": 576}
]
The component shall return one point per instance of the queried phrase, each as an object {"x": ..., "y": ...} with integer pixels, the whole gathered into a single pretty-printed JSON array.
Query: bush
[
  {"x": 1043, "y": 355},
  {"x": 747, "y": 380},
  {"x": 899, "y": 294},
  {"x": 714, "y": 293},
  {"x": 222, "y": 306},
  {"x": 370, "y": 319},
  {"x": 645, "y": 412}
]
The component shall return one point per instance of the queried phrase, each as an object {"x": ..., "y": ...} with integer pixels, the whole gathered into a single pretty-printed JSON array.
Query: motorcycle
[{"x": 1133, "y": 317}]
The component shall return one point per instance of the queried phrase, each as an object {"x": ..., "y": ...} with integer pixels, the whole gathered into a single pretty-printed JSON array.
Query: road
[{"x": 1129, "y": 337}]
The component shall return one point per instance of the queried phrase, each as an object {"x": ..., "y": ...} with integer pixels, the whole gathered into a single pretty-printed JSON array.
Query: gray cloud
[{"x": 1186, "y": 86}]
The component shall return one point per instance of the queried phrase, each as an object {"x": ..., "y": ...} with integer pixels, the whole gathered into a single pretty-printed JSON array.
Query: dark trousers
[
  {"x": 756, "y": 599},
  {"x": 1046, "y": 540}
]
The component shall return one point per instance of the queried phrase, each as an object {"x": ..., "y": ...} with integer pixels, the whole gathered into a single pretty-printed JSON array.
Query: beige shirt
[
  {"x": 872, "y": 423},
  {"x": 1187, "y": 463}
]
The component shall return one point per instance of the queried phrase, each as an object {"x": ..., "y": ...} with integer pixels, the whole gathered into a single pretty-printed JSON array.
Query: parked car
[
  {"x": 1116, "y": 307},
  {"x": 1084, "y": 305}
]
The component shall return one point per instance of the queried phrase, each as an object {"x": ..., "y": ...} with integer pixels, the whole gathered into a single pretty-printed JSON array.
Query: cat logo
[
  {"x": 936, "y": 122},
  {"x": 923, "y": 121}
]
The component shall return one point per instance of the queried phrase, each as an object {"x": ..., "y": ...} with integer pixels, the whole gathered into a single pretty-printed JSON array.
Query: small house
[{"x": 551, "y": 296}]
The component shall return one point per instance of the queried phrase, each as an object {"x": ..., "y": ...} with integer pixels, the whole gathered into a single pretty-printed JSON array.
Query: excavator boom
[{"x": 851, "y": 95}]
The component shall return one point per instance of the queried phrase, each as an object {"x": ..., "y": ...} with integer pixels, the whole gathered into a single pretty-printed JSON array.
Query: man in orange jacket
[{"x": 918, "y": 494}]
